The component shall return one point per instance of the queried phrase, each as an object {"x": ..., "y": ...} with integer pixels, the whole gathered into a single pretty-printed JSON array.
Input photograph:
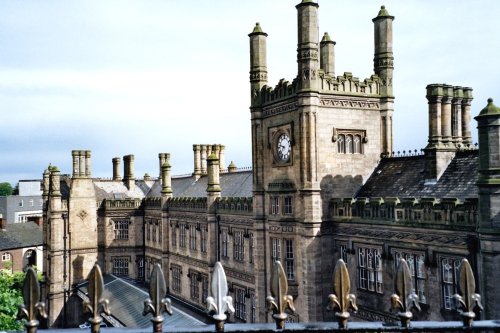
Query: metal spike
[
  {"x": 404, "y": 297},
  {"x": 157, "y": 302},
  {"x": 279, "y": 301},
  {"x": 469, "y": 301},
  {"x": 341, "y": 300},
  {"x": 96, "y": 302},
  {"x": 219, "y": 302},
  {"x": 32, "y": 306}
]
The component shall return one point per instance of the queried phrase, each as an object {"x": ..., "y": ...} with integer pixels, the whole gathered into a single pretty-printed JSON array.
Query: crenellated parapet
[
  {"x": 187, "y": 203},
  {"x": 128, "y": 203},
  {"x": 421, "y": 212},
  {"x": 152, "y": 202},
  {"x": 283, "y": 90},
  {"x": 239, "y": 205},
  {"x": 348, "y": 84}
]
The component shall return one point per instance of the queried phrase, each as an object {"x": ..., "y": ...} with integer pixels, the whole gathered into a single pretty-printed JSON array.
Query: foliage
[
  {"x": 5, "y": 189},
  {"x": 11, "y": 285}
]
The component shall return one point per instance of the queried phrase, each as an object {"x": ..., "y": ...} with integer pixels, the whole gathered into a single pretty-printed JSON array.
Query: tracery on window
[{"x": 349, "y": 141}]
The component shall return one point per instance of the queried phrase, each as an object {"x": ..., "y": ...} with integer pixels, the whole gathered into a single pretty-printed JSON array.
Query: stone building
[{"x": 324, "y": 185}]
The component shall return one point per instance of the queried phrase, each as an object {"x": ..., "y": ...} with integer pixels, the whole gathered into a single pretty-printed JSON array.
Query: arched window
[
  {"x": 340, "y": 144},
  {"x": 348, "y": 144},
  {"x": 357, "y": 144}
]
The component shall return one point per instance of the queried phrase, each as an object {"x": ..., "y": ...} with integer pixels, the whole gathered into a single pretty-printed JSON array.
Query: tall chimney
[
  {"x": 446, "y": 100},
  {"x": 87, "y": 154},
  {"x": 466, "y": 103},
  {"x": 166, "y": 190},
  {"x": 203, "y": 159},
  {"x": 327, "y": 55},
  {"x": 434, "y": 96},
  {"x": 163, "y": 157},
  {"x": 456, "y": 116},
  {"x": 222, "y": 158},
  {"x": 213, "y": 188},
  {"x": 197, "y": 161},
  {"x": 116, "y": 168},
  {"x": 128, "y": 177}
]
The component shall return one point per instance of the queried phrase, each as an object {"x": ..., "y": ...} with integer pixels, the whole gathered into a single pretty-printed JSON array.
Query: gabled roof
[
  {"x": 405, "y": 177},
  {"x": 20, "y": 235},
  {"x": 126, "y": 302}
]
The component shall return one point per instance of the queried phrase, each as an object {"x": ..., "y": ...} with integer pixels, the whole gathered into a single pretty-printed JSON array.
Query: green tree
[
  {"x": 5, "y": 189},
  {"x": 11, "y": 285}
]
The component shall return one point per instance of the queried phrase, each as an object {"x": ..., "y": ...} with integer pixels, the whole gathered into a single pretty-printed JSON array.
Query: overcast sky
[{"x": 143, "y": 77}]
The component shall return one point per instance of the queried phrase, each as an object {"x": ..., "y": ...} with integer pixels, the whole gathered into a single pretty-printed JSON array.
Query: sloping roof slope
[
  {"x": 126, "y": 302},
  {"x": 405, "y": 177},
  {"x": 20, "y": 235},
  {"x": 234, "y": 184},
  {"x": 111, "y": 189}
]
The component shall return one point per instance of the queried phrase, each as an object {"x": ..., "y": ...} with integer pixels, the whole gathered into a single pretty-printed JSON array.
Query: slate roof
[
  {"x": 126, "y": 302},
  {"x": 109, "y": 189},
  {"x": 235, "y": 184},
  {"x": 20, "y": 235},
  {"x": 405, "y": 177}
]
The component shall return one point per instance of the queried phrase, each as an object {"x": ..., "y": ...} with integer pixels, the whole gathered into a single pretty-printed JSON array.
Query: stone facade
[{"x": 324, "y": 186}]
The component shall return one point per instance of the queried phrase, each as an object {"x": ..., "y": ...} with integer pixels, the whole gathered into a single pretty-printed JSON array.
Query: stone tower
[
  {"x": 316, "y": 137},
  {"x": 488, "y": 124},
  {"x": 70, "y": 236}
]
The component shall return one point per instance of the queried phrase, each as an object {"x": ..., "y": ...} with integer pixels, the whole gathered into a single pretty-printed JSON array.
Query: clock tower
[{"x": 314, "y": 138}]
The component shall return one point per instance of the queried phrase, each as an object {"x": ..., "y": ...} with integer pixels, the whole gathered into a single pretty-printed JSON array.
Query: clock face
[{"x": 284, "y": 147}]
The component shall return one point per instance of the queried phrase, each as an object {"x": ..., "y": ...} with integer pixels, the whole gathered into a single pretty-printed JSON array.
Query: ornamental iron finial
[
  {"x": 96, "y": 302},
  {"x": 32, "y": 306},
  {"x": 341, "y": 300},
  {"x": 157, "y": 302},
  {"x": 404, "y": 297},
  {"x": 469, "y": 301},
  {"x": 279, "y": 301},
  {"x": 219, "y": 302}
]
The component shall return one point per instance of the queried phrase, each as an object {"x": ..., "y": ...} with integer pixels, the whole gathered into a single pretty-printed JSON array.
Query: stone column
[
  {"x": 466, "y": 104},
  {"x": 327, "y": 55},
  {"x": 446, "y": 115},
  {"x": 116, "y": 168},
  {"x": 456, "y": 115},
  {"x": 307, "y": 45},
  {"x": 258, "y": 63}
]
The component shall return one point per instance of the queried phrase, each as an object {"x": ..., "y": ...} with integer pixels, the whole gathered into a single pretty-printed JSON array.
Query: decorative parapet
[
  {"x": 187, "y": 203},
  {"x": 110, "y": 204},
  {"x": 283, "y": 90},
  {"x": 348, "y": 84},
  {"x": 154, "y": 202},
  {"x": 239, "y": 205},
  {"x": 408, "y": 210}
]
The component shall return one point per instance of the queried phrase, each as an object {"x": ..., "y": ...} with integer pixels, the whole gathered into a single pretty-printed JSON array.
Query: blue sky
[{"x": 143, "y": 77}]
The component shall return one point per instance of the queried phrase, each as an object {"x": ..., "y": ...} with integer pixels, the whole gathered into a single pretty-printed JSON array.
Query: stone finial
[
  {"x": 231, "y": 167},
  {"x": 257, "y": 30},
  {"x": 490, "y": 109},
  {"x": 383, "y": 13}
]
